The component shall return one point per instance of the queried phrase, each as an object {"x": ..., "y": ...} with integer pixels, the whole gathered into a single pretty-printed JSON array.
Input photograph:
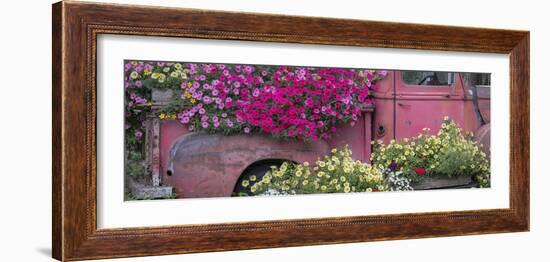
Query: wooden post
[{"x": 155, "y": 152}]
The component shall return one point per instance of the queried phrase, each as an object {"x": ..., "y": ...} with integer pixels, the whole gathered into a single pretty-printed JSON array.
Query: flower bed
[
  {"x": 304, "y": 103},
  {"x": 447, "y": 154},
  {"x": 335, "y": 173}
]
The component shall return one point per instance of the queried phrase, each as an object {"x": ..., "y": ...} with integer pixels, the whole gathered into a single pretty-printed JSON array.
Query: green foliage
[
  {"x": 134, "y": 165},
  {"x": 135, "y": 168}
]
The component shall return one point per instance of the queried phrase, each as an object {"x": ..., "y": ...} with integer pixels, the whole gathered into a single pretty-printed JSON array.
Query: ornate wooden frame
[{"x": 76, "y": 26}]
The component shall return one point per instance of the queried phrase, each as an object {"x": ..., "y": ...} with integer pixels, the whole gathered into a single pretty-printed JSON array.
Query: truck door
[{"x": 423, "y": 98}]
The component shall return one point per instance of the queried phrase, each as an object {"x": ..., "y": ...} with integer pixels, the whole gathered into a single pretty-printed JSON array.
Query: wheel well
[{"x": 259, "y": 163}]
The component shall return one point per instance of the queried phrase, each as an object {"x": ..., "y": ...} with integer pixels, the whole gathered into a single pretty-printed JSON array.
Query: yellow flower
[
  {"x": 245, "y": 183},
  {"x": 162, "y": 78},
  {"x": 252, "y": 178},
  {"x": 134, "y": 75},
  {"x": 162, "y": 116},
  {"x": 155, "y": 75},
  {"x": 306, "y": 164}
]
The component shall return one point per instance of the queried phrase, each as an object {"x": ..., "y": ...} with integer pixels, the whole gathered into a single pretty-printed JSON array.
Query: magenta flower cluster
[{"x": 296, "y": 102}]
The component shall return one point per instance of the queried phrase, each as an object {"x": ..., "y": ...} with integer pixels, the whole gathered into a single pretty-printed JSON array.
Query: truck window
[
  {"x": 480, "y": 81},
  {"x": 427, "y": 78},
  {"x": 477, "y": 79}
]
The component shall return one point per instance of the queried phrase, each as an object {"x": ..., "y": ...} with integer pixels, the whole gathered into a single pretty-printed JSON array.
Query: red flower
[{"x": 420, "y": 171}]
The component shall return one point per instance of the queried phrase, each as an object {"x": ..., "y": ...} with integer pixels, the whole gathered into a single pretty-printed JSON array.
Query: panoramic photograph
[{"x": 200, "y": 130}]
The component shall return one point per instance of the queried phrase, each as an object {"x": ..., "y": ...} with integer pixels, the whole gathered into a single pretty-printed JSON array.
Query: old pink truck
[{"x": 212, "y": 165}]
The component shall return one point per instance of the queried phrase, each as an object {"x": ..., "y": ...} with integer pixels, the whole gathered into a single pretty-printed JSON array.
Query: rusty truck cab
[{"x": 409, "y": 101}]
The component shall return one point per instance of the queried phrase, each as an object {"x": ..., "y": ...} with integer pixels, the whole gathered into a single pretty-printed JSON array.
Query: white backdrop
[{"x": 25, "y": 136}]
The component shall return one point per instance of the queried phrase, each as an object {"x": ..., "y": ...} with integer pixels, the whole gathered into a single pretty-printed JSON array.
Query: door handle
[{"x": 403, "y": 105}]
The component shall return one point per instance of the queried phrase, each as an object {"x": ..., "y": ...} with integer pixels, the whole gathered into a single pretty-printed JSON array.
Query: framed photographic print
[{"x": 194, "y": 131}]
